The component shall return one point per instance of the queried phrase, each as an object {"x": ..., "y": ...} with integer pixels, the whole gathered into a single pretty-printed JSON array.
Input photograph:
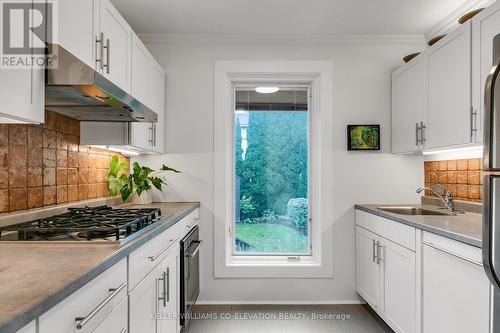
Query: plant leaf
[
  {"x": 115, "y": 166},
  {"x": 157, "y": 182},
  {"x": 166, "y": 168}
]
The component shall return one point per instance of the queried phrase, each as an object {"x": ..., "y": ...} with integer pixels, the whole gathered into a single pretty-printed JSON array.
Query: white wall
[{"x": 362, "y": 94}]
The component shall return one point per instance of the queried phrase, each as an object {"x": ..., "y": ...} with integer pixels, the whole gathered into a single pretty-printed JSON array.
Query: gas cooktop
[{"x": 100, "y": 223}]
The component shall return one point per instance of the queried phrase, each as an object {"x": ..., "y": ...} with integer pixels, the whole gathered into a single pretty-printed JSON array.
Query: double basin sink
[{"x": 415, "y": 211}]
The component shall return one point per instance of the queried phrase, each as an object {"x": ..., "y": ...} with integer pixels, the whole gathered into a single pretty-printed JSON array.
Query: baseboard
[{"x": 340, "y": 302}]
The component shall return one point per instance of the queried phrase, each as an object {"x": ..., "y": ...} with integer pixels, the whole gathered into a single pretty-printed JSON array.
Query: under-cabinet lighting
[
  {"x": 121, "y": 150},
  {"x": 457, "y": 153},
  {"x": 267, "y": 90}
]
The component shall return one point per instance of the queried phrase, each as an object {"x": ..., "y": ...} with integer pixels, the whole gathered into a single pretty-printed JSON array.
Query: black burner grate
[{"x": 88, "y": 223}]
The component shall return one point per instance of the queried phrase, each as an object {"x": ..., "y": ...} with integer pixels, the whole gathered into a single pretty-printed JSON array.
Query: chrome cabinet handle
[
  {"x": 100, "y": 42},
  {"x": 417, "y": 134},
  {"x": 379, "y": 253},
  {"x": 422, "y": 133},
  {"x": 198, "y": 246},
  {"x": 151, "y": 134},
  {"x": 164, "y": 280},
  {"x": 168, "y": 284},
  {"x": 154, "y": 135},
  {"x": 472, "y": 261},
  {"x": 108, "y": 48},
  {"x": 156, "y": 256},
  {"x": 473, "y": 115},
  {"x": 82, "y": 321},
  {"x": 374, "y": 255},
  {"x": 123, "y": 330}
]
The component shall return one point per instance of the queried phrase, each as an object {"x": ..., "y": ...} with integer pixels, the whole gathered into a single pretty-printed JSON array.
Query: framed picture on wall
[{"x": 363, "y": 137}]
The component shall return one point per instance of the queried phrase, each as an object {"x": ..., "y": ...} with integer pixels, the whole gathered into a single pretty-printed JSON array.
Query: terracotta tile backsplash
[
  {"x": 43, "y": 165},
  {"x": 464, "y": 178}
]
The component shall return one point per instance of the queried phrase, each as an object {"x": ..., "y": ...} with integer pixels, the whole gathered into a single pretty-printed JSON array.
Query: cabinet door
[
  {"x": 22, "y": 91},
  {"x": 159, "y": 92},
  {"x": 485, "y": 26},
  {"x": 141, "y": 88},
  {"x": 116, "y": 53},
  {"x": 143, "y": 302},
  {"x": 449, "y": 113},
  {"x": 398, "y": 288},
  {"x": 116, "y": 321},
  {"x": 455, "y": 294},
  {"x": 30, "y": 328},
  {"x": 168, "y": 309},
  {"x": 367, "y": 269},
  {"x": 409, "y": 104},
  {"x": 76, "y": 29}
]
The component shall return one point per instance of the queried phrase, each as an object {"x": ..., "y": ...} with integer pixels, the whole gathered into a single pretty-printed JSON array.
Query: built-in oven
[{"x": 190, "y": 274}]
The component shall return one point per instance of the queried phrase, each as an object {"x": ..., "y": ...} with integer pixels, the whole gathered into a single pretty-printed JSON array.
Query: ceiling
[{"x": 235, "y": 17}]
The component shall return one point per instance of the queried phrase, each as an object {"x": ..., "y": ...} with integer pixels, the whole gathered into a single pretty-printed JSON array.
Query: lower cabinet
[
  {"x": 385, "y": 278},
  {"x": 455, "y": 289},
  {"x": 419, "y": 282},
  {"x": 154, "y": 302}
]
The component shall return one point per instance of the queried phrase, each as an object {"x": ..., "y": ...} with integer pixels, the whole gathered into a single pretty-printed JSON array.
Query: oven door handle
[{"x": 195, "y": 252}]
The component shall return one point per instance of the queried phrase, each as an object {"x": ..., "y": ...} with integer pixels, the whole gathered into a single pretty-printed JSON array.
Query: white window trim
[{"x": 319, "y": 75}]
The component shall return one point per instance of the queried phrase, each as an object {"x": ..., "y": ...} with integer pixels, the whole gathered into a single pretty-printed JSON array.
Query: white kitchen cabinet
[
  {"x": 116, "y": 321},
  {"x": 22, "y": 92},
  {"x": 449, "y": 112},
  {"x": 76, "y": 29},
  {"x": 367, "y": 268},
  {"x": 485, "y": 26},
  {"x": 455, "y": 289},
  {"x": 148, "y": 86},
  {"x": 143, "y": 302},
  {"x": 398, "y": 287},
  {"x": 386, "y": 270},
  {"x": 154, "y": 302},
  {"x": 168, "y": 309},
  {"x": 104, "y": 293},
  {"x": 115, "y": 52},
  {"x": 409, "y": 105}
]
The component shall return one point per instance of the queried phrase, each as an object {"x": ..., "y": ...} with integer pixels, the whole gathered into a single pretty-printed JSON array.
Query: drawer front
[
  {"x": 117, "y": 321},
  {"x": 82, "y": 303},
  {"x": 394, "y": 231},
  {"x": 188, "y": 222},
  {"x": 147, "y": 257},
  {"x": 456, "y": 248}
]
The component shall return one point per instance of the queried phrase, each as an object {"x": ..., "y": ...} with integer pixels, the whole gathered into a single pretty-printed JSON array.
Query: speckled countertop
[
  {"x": 35, "y": 276},
  {"x": 465, "y": 228}
]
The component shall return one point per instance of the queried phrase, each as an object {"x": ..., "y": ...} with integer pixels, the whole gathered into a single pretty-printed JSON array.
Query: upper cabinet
[
  {"x": 22, "y": 91},
  {"x": 409, "y": 105},
  {"x": 485, "y": 26},
  {"x": 115, "y": 38},
  {"x": 449, "y": 86}
]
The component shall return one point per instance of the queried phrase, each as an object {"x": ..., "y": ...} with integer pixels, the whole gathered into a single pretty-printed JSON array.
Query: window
[
  {"x": 271, "y": 171},
  {"x": 289, "y": 224}
]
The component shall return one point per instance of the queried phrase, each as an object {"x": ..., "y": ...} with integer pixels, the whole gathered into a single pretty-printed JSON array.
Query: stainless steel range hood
[{"x": 78, "y": 91}]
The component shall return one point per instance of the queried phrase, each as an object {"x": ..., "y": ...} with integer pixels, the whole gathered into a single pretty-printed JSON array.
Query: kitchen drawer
[
  {"x": 82, "y": 303},
  {"x": 394, "y": 231},
  {"x": 453, "y": 247},
  {"x": 30, "y": 328},
  {"x": 188, "y": 222},
  {"x": 117, "y": 321},
  {"x": 144, "y": 259}
]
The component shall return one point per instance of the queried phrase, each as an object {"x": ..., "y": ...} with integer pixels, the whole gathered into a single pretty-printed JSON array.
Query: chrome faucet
[{"x": 447, "y": 198}]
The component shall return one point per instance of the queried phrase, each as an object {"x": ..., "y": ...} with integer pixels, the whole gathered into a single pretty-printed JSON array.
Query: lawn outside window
[{"x": 272, "y": 170}]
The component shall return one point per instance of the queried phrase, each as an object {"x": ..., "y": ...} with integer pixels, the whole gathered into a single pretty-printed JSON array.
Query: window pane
[{"x": 271, "y": 182}]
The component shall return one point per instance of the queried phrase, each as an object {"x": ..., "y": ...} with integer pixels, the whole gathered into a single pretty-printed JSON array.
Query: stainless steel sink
[{"x": 412, "y": 211}]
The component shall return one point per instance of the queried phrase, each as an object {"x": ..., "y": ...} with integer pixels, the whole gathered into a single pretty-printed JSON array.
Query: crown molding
[
  {"x": 160, "y": 38},
  {"x": 450, "y": 22}
]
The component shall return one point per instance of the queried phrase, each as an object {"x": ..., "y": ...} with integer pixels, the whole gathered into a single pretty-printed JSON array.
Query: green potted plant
[{"x": 137, "y": 183}]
